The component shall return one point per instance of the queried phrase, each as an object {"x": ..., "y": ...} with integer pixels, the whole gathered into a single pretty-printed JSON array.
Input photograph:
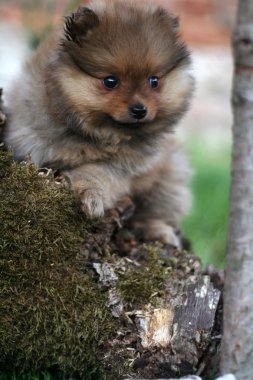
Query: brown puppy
[{"x": 99, "y": 101}]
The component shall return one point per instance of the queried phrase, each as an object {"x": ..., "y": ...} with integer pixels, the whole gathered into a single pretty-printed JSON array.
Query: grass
[{"x": 206, "y": 227}]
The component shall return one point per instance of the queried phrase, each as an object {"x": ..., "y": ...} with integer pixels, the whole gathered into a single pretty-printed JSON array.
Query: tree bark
[{"x": 237, "y": 346}]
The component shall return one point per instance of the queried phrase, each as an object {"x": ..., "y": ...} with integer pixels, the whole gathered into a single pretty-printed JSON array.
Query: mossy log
[{"x": 88, "y": 298}]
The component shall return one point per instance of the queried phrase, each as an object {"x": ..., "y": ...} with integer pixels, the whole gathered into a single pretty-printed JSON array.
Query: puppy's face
[{"x": 125, "y": 64}]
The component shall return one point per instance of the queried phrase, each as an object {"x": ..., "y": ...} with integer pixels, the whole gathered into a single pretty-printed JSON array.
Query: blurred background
[{"x": 206, "y": 25}]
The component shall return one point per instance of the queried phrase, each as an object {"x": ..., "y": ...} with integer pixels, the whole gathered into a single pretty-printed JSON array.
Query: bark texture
[{"x": 237, "y": 347}]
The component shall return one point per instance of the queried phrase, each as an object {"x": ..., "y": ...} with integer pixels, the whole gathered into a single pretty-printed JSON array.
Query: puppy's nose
[{"x": 138, "y": 111}]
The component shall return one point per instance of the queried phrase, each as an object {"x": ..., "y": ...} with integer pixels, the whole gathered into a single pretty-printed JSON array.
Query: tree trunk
[{"x": 237, "y": 347}]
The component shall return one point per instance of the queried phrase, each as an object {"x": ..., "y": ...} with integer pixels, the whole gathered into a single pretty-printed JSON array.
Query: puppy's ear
[
  {"x": 79, "y": 23},
  {"x": 171, "y": 19}
]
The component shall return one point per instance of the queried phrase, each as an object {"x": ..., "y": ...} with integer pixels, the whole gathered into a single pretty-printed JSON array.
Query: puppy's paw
[
  {"x": 160, "y": 231},
  {"x": 168, "y": 235},
  {"x": 92, "y": 203}
]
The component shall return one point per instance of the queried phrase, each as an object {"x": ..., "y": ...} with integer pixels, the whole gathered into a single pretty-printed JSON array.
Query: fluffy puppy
[{"x": 99, "y": 99}]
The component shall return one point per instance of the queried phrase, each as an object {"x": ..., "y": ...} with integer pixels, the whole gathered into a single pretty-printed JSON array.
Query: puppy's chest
[
  {"x": 126, "y": 159},
  {"x": 135, "y": 162}
]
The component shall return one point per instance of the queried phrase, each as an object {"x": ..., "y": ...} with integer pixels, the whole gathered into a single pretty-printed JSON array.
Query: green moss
[
  {"x": 51, "y": 314},
  {"x": 31, "y": 376},
  {"x": 144, "y": 285}
]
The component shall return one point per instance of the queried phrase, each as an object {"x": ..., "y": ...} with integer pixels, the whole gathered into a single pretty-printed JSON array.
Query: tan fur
[{"x": 61, "y": 113}]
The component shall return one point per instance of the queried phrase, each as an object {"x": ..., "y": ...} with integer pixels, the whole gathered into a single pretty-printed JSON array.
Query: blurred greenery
[{"x": 206, "y": 227}]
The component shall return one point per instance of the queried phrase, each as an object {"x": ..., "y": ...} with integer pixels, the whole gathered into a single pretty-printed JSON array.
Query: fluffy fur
[{"x": 61, "y": 113}]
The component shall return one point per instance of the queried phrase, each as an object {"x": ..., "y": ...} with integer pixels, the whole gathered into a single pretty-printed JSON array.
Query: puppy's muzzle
[{"x": 138, "y": 111}]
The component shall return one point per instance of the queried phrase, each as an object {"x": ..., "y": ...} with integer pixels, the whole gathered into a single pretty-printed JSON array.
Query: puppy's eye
[
  {"x": 111, "y": 82},
  {"x": 154, "y": 82}
]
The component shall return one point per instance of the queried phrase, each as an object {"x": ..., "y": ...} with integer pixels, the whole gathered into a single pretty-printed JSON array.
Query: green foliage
[
  {"x": 52, "y": 313},
  {"x": 206, "y": 227}
]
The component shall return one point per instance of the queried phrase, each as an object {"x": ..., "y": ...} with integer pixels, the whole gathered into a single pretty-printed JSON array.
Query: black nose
[{"x": 138, "y": 111}]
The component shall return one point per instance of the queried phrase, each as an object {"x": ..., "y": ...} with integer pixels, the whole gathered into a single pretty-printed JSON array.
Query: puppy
[{"x": 99, "y": 100}]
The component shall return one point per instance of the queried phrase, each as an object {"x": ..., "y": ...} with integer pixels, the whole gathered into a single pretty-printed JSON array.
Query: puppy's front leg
[
  {"x": 98, "y": 187},
  {"x": 163, "y": 198}
]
